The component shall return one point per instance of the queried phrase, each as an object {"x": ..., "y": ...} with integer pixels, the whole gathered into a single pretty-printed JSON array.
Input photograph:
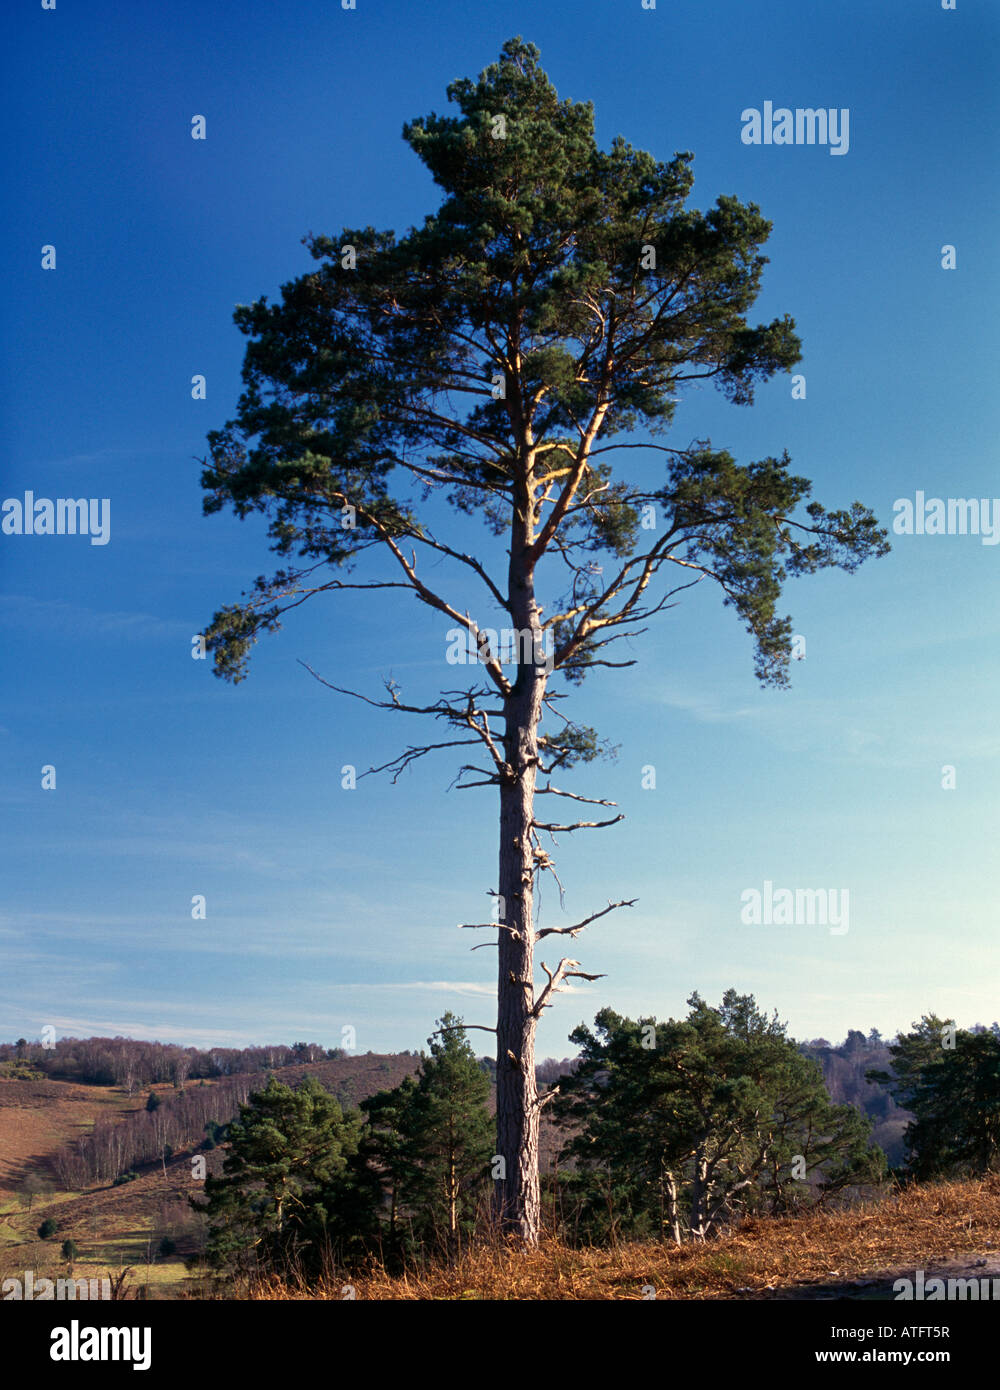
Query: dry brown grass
[{"x": 919, "y": 1227}]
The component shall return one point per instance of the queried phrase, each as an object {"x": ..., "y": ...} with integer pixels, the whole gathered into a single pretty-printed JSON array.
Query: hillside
[
  {"x": 37, "y": 1118},
  {"x": 122, "y": 1225}
]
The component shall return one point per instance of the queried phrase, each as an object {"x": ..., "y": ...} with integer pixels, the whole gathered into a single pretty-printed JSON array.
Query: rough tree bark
[{"x": 517, "y": 1199}]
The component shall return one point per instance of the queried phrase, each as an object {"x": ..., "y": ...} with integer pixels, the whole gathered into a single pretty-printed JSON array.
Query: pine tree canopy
[{"x": 500, "y": 356}]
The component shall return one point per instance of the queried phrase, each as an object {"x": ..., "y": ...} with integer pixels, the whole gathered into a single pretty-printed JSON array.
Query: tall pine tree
[
  {"x": 294, "y": 1189},
  {"x": 435, "y": 1138},
  {"x": 500, "y": 360}
]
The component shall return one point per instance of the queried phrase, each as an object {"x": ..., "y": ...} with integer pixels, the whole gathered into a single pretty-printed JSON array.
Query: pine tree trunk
[
  {"x": 517, "y": 1198},
  {"x": 517, "y": 1102}
]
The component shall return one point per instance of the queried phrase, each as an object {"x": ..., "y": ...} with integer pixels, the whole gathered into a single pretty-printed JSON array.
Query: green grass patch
[{"x": 726, "y": 1263}]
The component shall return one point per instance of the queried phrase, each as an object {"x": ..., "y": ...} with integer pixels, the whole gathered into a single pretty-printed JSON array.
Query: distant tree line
[{"x": 133, "y": 1065}]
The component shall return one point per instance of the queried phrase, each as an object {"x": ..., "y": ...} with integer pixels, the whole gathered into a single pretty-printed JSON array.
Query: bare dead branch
[
  {"x": 591, "y": 800},
  {"x": 465, "y": 560},
  {"x": 579, "y": 926},
  {"x": 433, "y": 600},
  {"x": 494, "y": 926},
  {"x": 579, "y": 825},
  {"x": 470, "y": 717},
  {"x": 563, "y": 971}
]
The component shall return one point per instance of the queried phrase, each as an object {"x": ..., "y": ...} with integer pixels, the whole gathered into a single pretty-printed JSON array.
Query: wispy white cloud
[
  {"x": 143, "y": 1030},
  {"x": 708, "y": 708},
  {"x": 832, "y": 729}
]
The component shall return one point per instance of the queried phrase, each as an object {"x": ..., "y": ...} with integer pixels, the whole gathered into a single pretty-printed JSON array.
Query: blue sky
[{"x": 328, "y": 908}]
